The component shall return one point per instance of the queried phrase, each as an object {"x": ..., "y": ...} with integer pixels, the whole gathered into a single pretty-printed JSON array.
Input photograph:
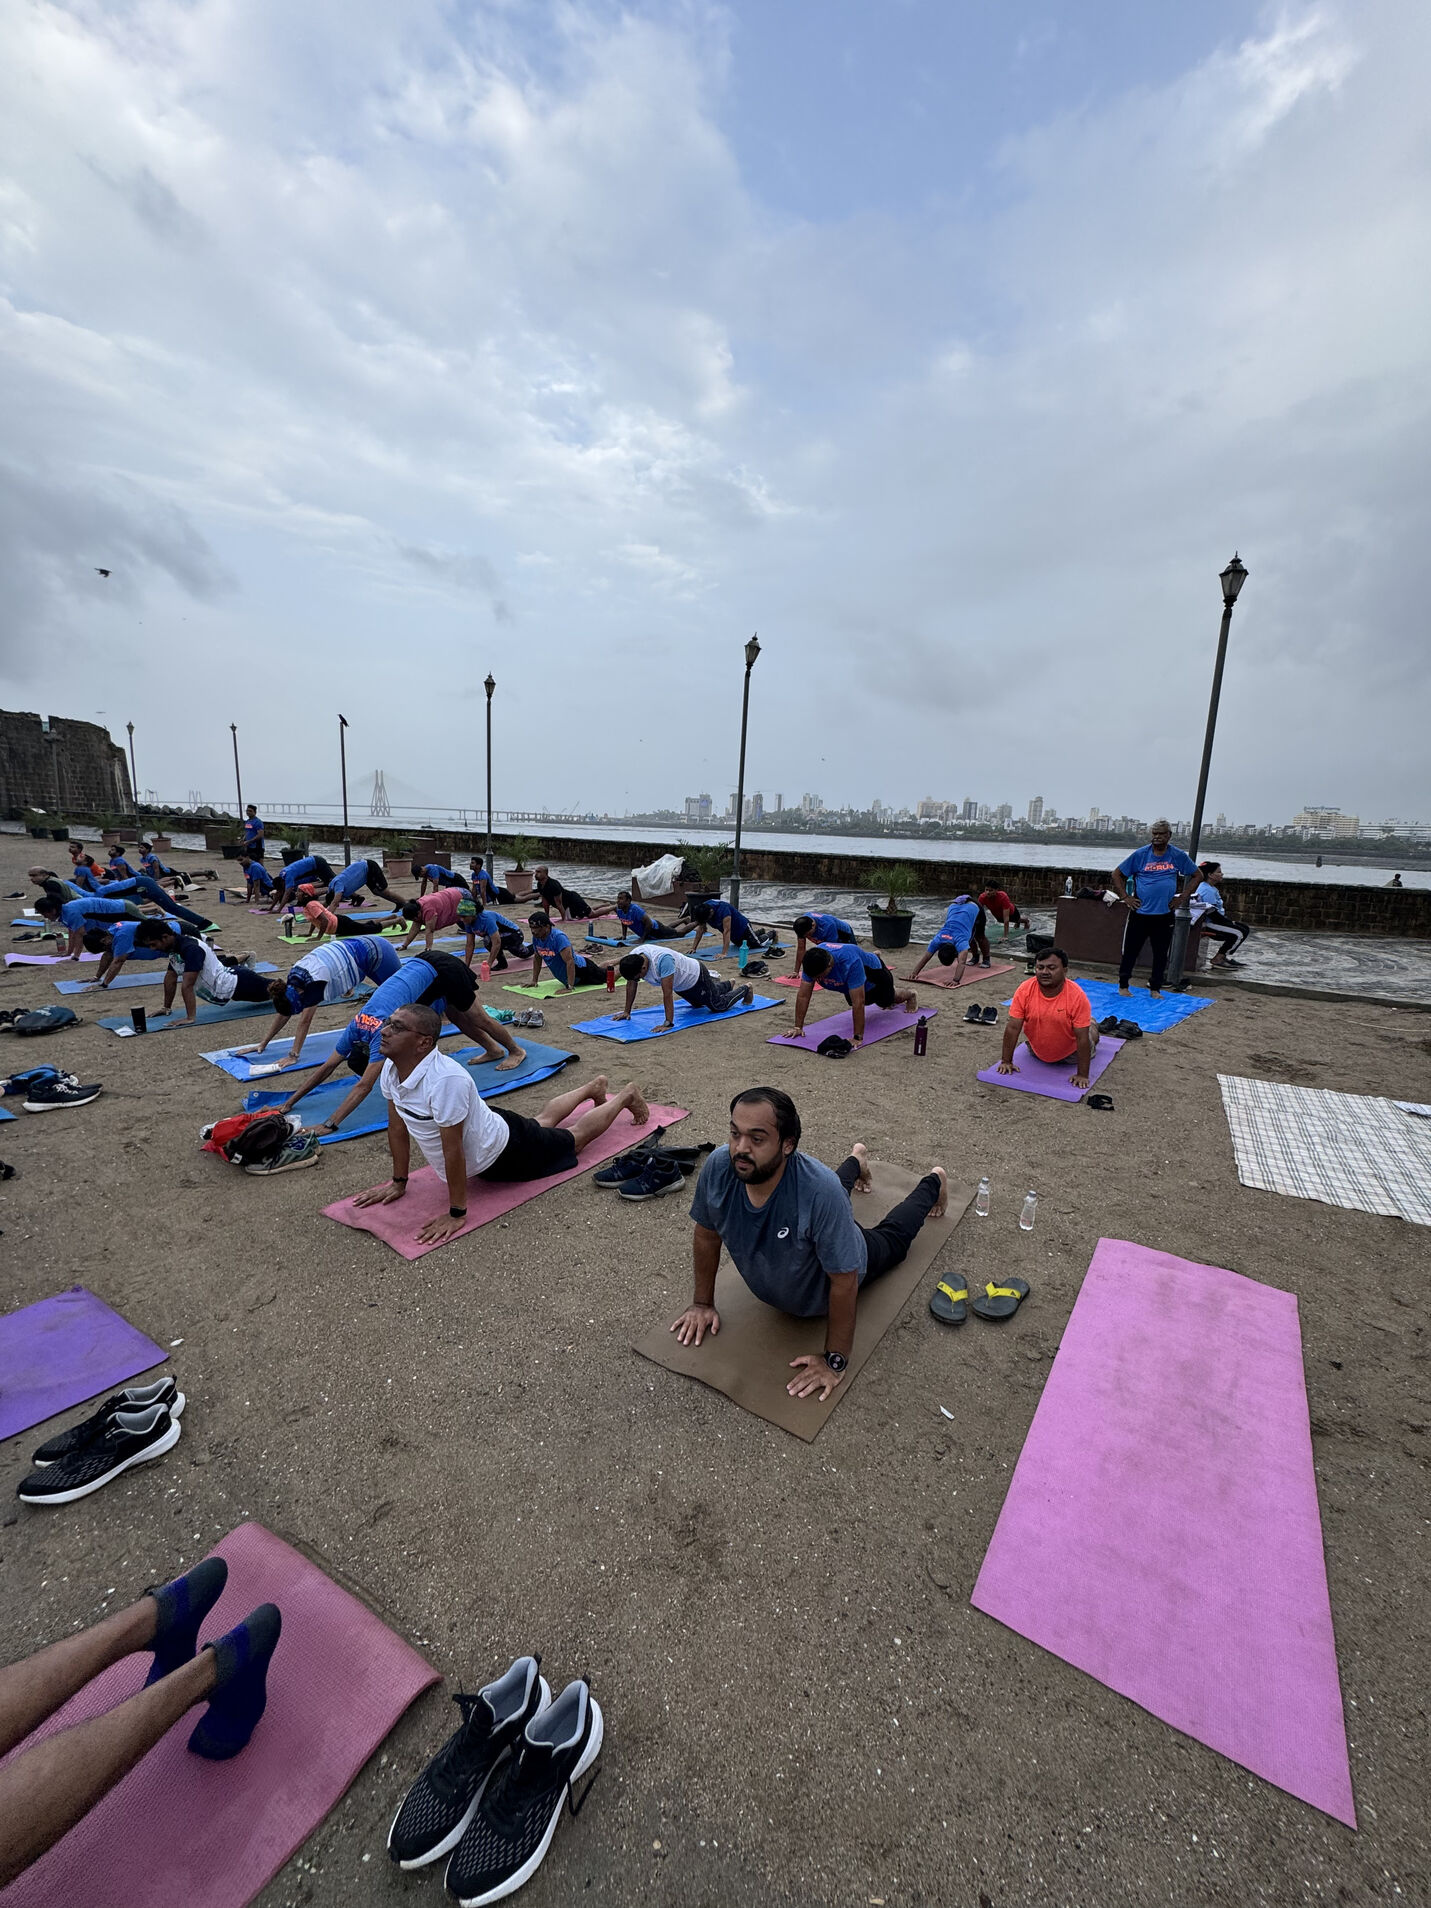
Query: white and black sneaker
[
  {"x": 80, "y": 1436},
  {"x": 47, "y": 1096},
  {"x": 130, "y": 1438},
  {"x": 519, "y": 1810},
  {"x": 439, "y": 1806}
]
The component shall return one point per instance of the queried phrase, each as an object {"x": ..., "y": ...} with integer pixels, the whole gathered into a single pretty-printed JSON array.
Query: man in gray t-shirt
[{"x": 786, "y": 1222}]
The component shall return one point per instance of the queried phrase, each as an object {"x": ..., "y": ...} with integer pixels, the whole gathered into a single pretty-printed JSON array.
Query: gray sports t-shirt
[{"x": 787, "y": 1250}]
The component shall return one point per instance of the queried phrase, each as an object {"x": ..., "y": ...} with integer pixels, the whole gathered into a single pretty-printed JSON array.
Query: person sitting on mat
[
  {"x": 676, "y": 973},
  {"x": 196, "y": 969},
  {"x": 551, "y": 946},
  {"x": 1051, "y": 1015},
  {"x": 254, "y": 833},
  {"x": 440, "y": 877},
  {"x": 635, "y": 920},
  {"x": 1003, "y": 908},
  {"x": 296, "y": 870},
  {"x": 50, "y": 1786},
  {"x": 348, "y": 884},
  {"x": 258, "y": 881},
  {"x": 786, "y": 1222},
  {"x": 116, "y": 945},
  {"x": 856, "y": 972},
  {"x": 957, "y": 939},
  {"x": 820, "y": 930},
  {"x": 735, "y": 930},
  {"x": 322, "y": 976},
  {"x": 1153, "y": 901},
  {"x": 438, "y": 981},
  {"x": 433, "y": 1099},
  {"x": 1208, "y": 915}
]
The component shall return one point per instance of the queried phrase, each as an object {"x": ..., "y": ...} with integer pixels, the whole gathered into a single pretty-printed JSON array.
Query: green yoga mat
[{"x": 544, "y": 989}]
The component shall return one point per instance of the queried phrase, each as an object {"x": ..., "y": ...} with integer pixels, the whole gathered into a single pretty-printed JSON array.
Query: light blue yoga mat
[
  {"x": 371, "y": 1116},
  {"x": 208, "y": 1012},
  {"x": 648, "y": 1023},
  {"x": 317, "y": 1048},
  {"x": 4, "y": 1115},
  {"x": 1153, "y": 1016},
  {"x": 632, "y": 942},
  {"x": 141, "y": 980}
]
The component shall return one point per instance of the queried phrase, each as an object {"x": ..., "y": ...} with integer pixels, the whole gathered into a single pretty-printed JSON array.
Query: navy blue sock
[
  {"x": 183, "y": 1605},
  {"x": 241, "y": 1690}
]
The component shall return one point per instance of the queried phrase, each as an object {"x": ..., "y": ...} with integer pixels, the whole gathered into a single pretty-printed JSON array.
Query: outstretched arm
[
  {"x": 326, "y": 1071},
  {"x": 1013, "y": 1032},
  {"x": 701, "y": 1316}
]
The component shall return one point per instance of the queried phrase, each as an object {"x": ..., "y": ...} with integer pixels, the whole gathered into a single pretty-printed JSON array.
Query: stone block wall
[{"x": 74, "y": 769}]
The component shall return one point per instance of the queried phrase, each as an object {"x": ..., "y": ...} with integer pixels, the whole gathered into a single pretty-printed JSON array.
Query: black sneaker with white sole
[
  {"x": 437, "y": 1809},
  {"x": 80, "y": 1436},
  {"x": 130, "y": 1438},
  {"x": 518, "y": 1814},
  {"x": 48, "y": 1096},
  {"x": 662, "y": 1175}
]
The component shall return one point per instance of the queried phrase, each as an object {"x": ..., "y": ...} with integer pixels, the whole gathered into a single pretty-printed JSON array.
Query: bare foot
[
  {"x": 860, "y": 1152},
  {"x": 1125, "y": 991},
  {"x": 596, "y": 1092},
  {"x": 909, "y": 1001},
  {"x": 640, "y": 1111},
  {"x": 941, "y": 1204},
  {"x": 513, "y": 1059}
]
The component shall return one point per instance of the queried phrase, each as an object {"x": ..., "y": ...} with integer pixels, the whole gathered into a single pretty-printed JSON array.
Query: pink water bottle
[{"x": 486, "y": 969}]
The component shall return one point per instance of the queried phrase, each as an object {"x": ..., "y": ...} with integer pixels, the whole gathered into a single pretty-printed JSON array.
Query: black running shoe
[
  {"x": 130, "y": 1437},
  {"x": 64, "y": 1444},
  {"x": 661, "y": 1176},
  {"x": 629, "y": 1166},
  {"x": 438, "y": 1808},
  {"x": 518, "y": 1813},
  {"x": 47, "y": 1096}
]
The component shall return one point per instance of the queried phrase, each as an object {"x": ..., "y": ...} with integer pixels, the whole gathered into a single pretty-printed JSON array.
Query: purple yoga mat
[
  {"x": 880, "y": 1023},
  {"x": 180, "y": 1830},
  {"x": 1161, "y": 1529},
  {"x": 62, "y": 1350},
  {"x": 1036, "y": 1076}
]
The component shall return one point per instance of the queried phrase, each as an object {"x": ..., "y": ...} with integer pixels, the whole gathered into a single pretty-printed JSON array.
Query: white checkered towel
[{"x": 1346, "y": 1149}]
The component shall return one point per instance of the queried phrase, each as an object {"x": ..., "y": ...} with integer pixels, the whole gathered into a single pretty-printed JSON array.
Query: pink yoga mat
[
  {"x": 1036, "y": 1076},
  {"x": 1161, "y": 1529},
  {"x": 44, "y": 960},
  {"x": 880, "y": 1023},
  {"x": 399, "y": 1224},
  {"x": 944, "y": 976},
  {"x": 179, "y": 1830}
]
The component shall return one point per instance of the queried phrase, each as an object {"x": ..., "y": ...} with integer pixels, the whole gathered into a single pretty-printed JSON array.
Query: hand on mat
[
  {"x": 1007, "y": 1066},
  {"x": 1079, "y": 1080},
  {"x": 621, "y": 1014},
  {"x": 439, "y": 1231},
  {"x": 815, "y": 1375},
  {"x": 693, "y": 1324},
  {"x": 378, "y": 1195},
  {"x": 323, "y": 1126}
]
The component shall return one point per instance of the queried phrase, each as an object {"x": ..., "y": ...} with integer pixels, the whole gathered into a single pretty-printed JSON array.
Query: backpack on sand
[{"x": 41, "y": 1020}]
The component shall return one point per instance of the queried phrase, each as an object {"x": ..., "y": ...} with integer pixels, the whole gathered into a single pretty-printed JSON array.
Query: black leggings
[
  {"x": 1231, "y": 933},
  {"x": 888, "y": 1243},
  {"x": 1140, "y": 927}
]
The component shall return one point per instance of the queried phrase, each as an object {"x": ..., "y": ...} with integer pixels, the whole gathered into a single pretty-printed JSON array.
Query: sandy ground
[{"x": 801, "y": 1704}]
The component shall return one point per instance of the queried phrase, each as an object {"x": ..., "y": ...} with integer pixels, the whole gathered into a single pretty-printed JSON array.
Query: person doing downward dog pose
[
  {"x": 821, "y": 930},
  {"x": 1051, "y": 1015},
  {"x": 856, "y": 972},
  {"x": 196, "y": 969},
  {"x": 79, "y": 917},
  {"x": 551, "y": 946},
  {"x": 324, "y": 975},
  {"x": 433, "y": 1100},
  {"x": 786, "y": 1222},
  {"x": 296, "y": 871},
  {"x": 439, "y": 877},
  {"x": 635, "y": 920},
  {"x": 438, "y": 981},
  {"x": 1152, "y": 901},
  {"x": 1004, "y": 909},
  {"x": 1207, "y": 913},
  {"x": 676, "y": 973},
  {"x": 958, "y": 938},
  {"x": 348, "y": 883}
]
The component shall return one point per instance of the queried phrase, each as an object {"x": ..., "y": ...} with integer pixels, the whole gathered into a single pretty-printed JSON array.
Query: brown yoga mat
[{"x": 749, "y": 1358}]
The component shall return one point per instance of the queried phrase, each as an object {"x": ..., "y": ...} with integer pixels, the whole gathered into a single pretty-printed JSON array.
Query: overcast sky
[{"x": 952, "y": 347}]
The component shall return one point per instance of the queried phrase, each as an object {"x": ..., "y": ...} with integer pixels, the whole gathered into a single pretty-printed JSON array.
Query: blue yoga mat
[
  {"x": 4, "y": 1115},
  {"x": 208, "y": 1012},
  {"x": 646, "y": 1023},
  {"x": 141, "y": 980},
  {"x": 1153, "y": 1016},
  {"x": 372, "y": 1115},
  {"x": 317, "y": 1048},
  {"x": 631, "y": 944}
]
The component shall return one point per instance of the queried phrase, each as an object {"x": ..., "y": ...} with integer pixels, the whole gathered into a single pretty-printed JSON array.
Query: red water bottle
[
  {"x": 921, "y": 1037},
  {"x": 611, "y": 980}
]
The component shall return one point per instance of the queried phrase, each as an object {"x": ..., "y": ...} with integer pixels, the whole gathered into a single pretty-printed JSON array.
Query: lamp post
[
  {"x": 752, "y": 650},
  {"x": 133, "y": 778},
  {"x": 490, "y": 686},
  {"x": 1233, "y": 578},
  {"x": 343, "y": 771}
]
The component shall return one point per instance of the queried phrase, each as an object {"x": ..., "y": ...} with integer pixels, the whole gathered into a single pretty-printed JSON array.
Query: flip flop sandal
[
  {"x": 991, "y": 1016},
  {"x": 949, "y": 1303},
  {"x": 1109, "y": 1024},
  {"x": 1001, "y": 1301},
  {"x": 1128, "y": 1030},
  {"x": 975, "y": 1014},
  {"x": 1100, "y": 1102}
]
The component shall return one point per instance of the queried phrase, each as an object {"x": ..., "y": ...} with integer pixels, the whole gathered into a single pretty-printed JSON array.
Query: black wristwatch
[{"x": 836, "y": 1360}]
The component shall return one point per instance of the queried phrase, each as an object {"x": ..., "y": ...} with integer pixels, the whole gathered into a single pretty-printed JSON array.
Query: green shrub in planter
[{"x": 890, "y": 925}]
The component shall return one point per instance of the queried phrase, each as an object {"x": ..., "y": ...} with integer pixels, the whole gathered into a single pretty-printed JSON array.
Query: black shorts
[
  {"x": 588, "y": 974},
  {"x": 879, "y": 988},
  {"x": 533, "y": 1151},
  {"x": 377, "y": 880},
  {"x": 322, "y": 870},
  {"x": 576, "y": 908},
  {"x": 249, "y": 986},
  {"x": 456, "y": 984}
]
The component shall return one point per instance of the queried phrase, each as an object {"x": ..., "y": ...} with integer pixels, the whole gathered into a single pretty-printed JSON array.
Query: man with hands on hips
[{"x": 786, "y": 1222}]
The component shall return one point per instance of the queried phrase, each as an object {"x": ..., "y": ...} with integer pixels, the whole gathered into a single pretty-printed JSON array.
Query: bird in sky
[{"x": 100, "y": 572}]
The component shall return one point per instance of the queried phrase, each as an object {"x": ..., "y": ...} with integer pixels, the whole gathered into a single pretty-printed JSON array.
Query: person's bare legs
[
  {"x": 475, "y": 1022},
  {"x": 604, "y": 1112},
  {"x": 34, "y": 1689}
]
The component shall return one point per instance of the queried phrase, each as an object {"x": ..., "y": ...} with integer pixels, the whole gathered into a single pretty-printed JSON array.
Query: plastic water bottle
[
  {"x": 223, "y": 897},
  {"x": 921, "y": 1036},
  {"x": 611, "y": 980},
  {"x": 1029, "y": 1213},
  {"x": 981, "y": 1199},
  {"x": 742, "y": 956},
  {"x": 486, "y": 970},
  {"x": 1068, "y": 884}
]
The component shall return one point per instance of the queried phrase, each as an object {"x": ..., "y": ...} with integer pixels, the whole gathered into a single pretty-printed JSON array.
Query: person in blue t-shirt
[
  {"x": 734, "y": 928},
  {"x": 440, "y": 877},
  {"x": 298, "y": 869},
  {"x": 552, "y": 947},
  {"x": 157, "y": 870},
  {"x": 786, "y": 1222},
  {"x": 321, "y": 976},
  {"x": 1208, "y": 914},
  {"x": 856, "y": 972},
  {"x": 485, "y": 888},
  {"x": 348, "y": 883},
  {"x": 119, "y": 867},
  {"x": 90, "y": 911},
  {"x": 956, "y": 940},
  {"x": 1161, "y": 878},
  {"x": 258, "y": 880},
  {"x": 116, "y": 945},
  {"x": 142, "y": 888},
  {"x": 823, "y": 930},
  {"x": 253, "y": 833},
  {"x": 635, "y": 920}
]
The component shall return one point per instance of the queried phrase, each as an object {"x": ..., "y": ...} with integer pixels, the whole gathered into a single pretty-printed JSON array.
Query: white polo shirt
[
  {"x": 441, "y": 1092},
  {"x": 684, "y": 970}
]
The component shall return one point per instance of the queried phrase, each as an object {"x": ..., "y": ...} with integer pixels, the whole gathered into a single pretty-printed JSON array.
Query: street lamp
[
  {"x": 343, "y": 770},
  {"x": 490, "y": 686},
  {"x": 133, "y": 778},
  {"x": 752, "y": 650},
  {"x": 238, "y": 779},
  {"x": 1233, "y": 578}
]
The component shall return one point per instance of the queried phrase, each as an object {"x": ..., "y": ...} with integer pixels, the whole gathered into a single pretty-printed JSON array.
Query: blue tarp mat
[
  {"x": 646, "y": 1023},
  {"x": 1139, "y": 1006}
]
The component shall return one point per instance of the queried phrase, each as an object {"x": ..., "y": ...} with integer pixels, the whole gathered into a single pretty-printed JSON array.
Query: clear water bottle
[
  {"x": 1029, "y": 1213},
  {"x": 981, "y": 1199},
  {"x": 1068, "y": 884}
]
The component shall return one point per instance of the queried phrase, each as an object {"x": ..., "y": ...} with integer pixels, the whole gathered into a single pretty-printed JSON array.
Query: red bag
[{"x": 217, "y": 1137}]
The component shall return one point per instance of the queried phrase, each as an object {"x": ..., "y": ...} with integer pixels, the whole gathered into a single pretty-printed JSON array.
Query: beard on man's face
[{"x": 753, "y": 1173}]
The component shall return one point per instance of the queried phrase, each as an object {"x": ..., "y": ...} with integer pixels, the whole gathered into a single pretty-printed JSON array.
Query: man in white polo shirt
[
  {"x": 433, "y": 1099},
  {"x": 676, "y": 973}
]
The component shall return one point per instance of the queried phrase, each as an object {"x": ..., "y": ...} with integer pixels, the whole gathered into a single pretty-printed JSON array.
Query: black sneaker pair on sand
[
  {"x": 492, "y": 1796},
  {"x": 981, "y": 1016},
  {"x": 1120, "y": 1029},
  {"x": 133, "y": 1427},
  {"x": 651, "y": 1170}
]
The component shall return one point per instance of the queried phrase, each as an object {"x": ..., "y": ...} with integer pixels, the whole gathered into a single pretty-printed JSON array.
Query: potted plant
[
  {"x": 890, "y": 925},
  {"x": 397, "y": 859},
  {"x": 160, "y": 842},
  {"x": 38, "y": 823},
  {"x": 519, "y": 877},
  {"x": 710, "y": 862}
]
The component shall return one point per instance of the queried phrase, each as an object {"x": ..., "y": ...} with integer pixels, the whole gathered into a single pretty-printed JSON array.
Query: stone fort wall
[{"x": 59, "y": 765}]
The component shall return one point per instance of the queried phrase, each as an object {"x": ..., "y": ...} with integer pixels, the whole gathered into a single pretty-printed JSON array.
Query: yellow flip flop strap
[
  {"x": 1001, "y": 1291},
  {"x": 949, "y": 1292}
]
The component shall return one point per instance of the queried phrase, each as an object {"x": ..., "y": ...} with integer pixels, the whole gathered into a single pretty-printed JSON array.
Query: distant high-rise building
[
  {"x": 779, "y": 804},
  {"x": 755, "y": 807},
  {"x": 734, "y": 808},
  {"x": 1036, "y": 811},
  {"x": 1004, "y": 814},
  {"x": 970, "y": 810},
  {"x": 1220, "y": 824},
  {"x": 698, "y": 808},
  {"x": 812, "y": 804}
]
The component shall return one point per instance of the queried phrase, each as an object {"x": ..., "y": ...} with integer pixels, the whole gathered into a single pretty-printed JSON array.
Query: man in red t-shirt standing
[
  {"x": 1052, "y": 1015},
  {"x": 994, "y": 901}
]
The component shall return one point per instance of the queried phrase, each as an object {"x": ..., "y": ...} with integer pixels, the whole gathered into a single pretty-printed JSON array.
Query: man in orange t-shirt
[{"x": 1052, "y": 1016}]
